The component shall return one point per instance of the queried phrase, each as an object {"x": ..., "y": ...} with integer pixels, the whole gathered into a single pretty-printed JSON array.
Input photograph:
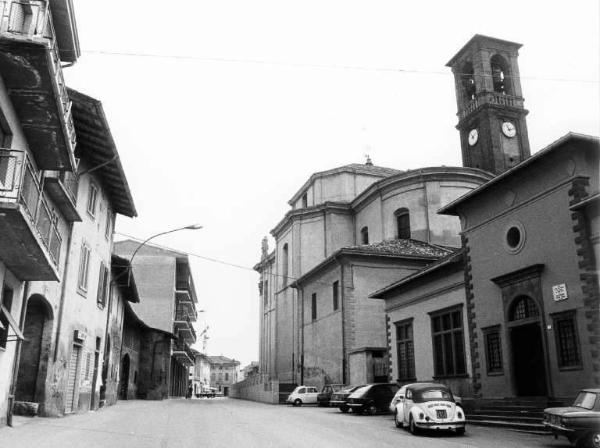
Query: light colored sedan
[{"x": 303, "y": 395}]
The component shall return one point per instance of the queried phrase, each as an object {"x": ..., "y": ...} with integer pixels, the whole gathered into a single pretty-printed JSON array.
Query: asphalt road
[{"x": 209, "y": 423}]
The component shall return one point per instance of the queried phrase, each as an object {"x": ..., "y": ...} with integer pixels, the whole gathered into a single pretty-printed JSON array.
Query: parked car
[
  {"x": 339, "y": 399},
  {"x": 372, "y": 398},
  {"x": 303, "y": 395},
  {"x": 580, "y": 423},
  {"x": 325, "y": 395},
  {"x": 427, "y": 406},
  {"x": 457, "y": 399}
]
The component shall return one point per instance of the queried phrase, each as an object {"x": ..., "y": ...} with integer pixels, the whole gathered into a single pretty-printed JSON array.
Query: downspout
[
  {"x": 17, "y": 358},
  {"x": 302, "y": 336},
  {"x": 343, "y": 308},
  {"x": 63, "y": 291}
]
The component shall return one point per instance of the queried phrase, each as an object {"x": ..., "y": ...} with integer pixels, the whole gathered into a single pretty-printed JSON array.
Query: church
[{"x": 482, "y": 276}]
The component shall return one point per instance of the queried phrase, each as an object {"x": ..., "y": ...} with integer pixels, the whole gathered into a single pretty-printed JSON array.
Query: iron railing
[
  {"x": 493, "y": 98},
  {"x": 19, "y": 183},
  {"x": 32, "y": 19},
  {"x": 180, "y": 346},
  {"x": 70, "y": 181}
]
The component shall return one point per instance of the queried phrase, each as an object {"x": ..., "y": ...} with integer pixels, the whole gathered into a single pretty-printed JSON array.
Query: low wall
[{"x": 256, "y": 388}]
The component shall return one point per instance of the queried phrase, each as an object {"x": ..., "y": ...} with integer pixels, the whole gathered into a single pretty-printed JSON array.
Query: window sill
[
  {"x": 406, "y": 380},
  {"x": 447, "y": 377},
  {"x": 82, "y": 292},
  {"x": 570, "y": 368},
  {"x": 495, "y": 373}
]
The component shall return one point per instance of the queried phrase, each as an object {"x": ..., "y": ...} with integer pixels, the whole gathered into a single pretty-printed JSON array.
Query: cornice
[{"x": 310, "y": 212}]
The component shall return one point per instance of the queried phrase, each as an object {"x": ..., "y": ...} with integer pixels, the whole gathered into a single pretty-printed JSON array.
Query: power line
[
  {"x": 216, "y": 260},
  {"x": 321, "y": 66}
]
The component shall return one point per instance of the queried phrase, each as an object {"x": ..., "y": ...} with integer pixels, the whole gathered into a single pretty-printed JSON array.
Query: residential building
[
  {"x": 65, "y": 322},
  {"x": 37, "y": 139},
  {"x": 200, "y": 374},
  {"x": 122, "y": 338},
  {"x": 168, "y": 309},
  {"x": 248, "y": 371},
  {"x": 223, "y": 373}
]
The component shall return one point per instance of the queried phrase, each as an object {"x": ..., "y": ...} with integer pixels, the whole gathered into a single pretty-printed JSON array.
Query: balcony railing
[
  {"x": 493, "y": 98},
  {"x": 184, "y": 324},
  {"x": 31, "y": 21},
  {"x": 183, "y": 352},
  {"x": 19, "y": 183}
]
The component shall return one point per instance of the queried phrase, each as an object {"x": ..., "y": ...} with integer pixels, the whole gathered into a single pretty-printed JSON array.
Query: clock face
[
  {"x": 509, "y": 129},
  {"x": 473, "y": 136}
]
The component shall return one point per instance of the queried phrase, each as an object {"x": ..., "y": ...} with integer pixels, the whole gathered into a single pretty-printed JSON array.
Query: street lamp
[{"x": 190, "y": 227}]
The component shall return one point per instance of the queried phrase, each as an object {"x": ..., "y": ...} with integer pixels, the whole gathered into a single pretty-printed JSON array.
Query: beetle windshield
[
  {"x": 585, "y": 400},
  {"x": 432, "y": 395}
]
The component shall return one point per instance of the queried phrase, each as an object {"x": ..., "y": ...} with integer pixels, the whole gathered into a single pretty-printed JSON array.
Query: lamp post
[{"x": 143, "y": 243}]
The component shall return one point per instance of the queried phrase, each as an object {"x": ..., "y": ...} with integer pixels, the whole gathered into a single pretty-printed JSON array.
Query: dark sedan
[
  {"x": 324, "y": 396},
  {"x": 372, "y": 398},
  {"x": 580, "y": 423},
  {"x": 339, "y": 399}
]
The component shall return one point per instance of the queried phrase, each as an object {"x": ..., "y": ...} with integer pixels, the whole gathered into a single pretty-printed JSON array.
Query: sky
[{"x": 222, "y": 110}]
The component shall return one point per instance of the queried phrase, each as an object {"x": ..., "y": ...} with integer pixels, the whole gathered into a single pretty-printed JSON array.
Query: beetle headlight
[
  {"x": 421, "y": 416},
  {"x": 460, "y": 415}
]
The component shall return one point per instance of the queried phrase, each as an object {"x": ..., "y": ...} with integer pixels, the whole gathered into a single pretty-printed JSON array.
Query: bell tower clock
[{"x": 491, "y": 116}]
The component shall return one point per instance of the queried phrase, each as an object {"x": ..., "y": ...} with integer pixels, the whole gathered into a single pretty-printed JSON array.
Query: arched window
[
  {"x": 284, "y": 264},
  {"x": 467, "y": 77},
  {"x": 522, "y": 308},
  {"x": 403, "y": 223},
  {"x": 500, "y": 75},
  {"x": 364, "y": 235}
]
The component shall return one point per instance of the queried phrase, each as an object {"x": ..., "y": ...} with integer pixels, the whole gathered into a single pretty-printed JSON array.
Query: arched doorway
[
  {"x": 528, "y": 360},
  {"x": 124, "y": 382},
  {"x": 35, "y": 351}
]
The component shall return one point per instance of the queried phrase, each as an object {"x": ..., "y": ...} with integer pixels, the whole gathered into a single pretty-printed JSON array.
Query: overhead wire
[
  {"x": 324, "y": 66},
  {"x": 216, "y": 260}
]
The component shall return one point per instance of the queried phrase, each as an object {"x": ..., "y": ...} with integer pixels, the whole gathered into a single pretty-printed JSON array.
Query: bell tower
[{"x": 491, "y": 116}]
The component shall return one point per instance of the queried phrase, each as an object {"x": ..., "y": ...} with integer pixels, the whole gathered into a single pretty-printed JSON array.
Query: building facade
[
  {"x": 351, "y": 230},
  {"x": 200, "y": 374},
  {"x": 37, "y": 140},
  {"x": 168, "y": 308},
  {"x": 223, "y": 373}
]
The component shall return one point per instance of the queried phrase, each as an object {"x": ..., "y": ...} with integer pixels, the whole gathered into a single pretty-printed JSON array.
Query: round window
[{"x": 513, "y": 237}]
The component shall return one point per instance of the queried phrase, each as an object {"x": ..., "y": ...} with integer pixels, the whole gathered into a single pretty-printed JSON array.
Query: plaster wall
[
  {"x": 432, "y": 295},
  {"x": 549, "y": 240}
]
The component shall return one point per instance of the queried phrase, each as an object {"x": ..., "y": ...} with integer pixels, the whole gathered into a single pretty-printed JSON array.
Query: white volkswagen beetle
[{"x": 427, "y": 406}]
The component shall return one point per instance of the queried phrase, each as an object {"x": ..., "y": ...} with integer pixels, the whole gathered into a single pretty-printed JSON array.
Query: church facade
[{"x": 370, "y": 281}]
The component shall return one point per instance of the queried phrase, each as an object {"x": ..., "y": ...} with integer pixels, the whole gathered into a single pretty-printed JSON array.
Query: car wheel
[
  {"x": 396, "y": 421},
  {"x": 412, "y": 427},
  {"x": 592, "y": 440},
  {"x": 297, "y": 402},
  {"x": 372, "y": 409},
  {"x": 460, "y": 431},
  {"x": 344, "y": 409}
]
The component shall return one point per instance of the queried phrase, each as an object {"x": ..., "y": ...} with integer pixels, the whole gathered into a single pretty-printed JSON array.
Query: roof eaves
[
  {"x": 455, "y": 257},
  {"x": 450, "y": 209}
]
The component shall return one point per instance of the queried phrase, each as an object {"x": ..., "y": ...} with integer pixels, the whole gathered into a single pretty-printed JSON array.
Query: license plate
[{"x": 441, "y": 413}]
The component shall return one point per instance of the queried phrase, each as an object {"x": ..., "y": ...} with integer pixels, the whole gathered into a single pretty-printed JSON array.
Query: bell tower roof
[{"x": 478, "y": 42}]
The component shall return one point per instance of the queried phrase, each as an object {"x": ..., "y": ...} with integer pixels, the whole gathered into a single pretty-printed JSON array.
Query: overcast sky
[{"x": 222, "y": 109}]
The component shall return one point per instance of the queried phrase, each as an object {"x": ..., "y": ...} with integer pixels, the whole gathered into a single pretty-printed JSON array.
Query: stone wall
[{"x": 256, "y": 388}]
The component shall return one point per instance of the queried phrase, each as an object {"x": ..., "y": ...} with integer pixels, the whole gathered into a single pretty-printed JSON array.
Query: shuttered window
[
  {"x": 405, "y": 350},
  {"x": 84, "y": 265},
  {"x": 567, "y": 342},
  {"x": 103, "y": 282}
]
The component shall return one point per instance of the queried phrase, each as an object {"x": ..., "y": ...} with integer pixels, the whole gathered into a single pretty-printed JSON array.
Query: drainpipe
[
  {"x": 343, "y": 300},
  {"x": 63, "y": 291},
  {"x": 13, "y": 383}
]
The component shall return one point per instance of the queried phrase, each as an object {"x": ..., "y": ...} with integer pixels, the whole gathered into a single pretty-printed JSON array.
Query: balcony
[
  {"x": 29, "y": 235},
  {"x": 185, "y": 303},
  {"x": 490, "y": 98},
  {"x": 183, "y": 353},
  {"x": 184, "y": 327},
  {"x": 62, "y": 187},
  {"x": 30, "y": 66}
]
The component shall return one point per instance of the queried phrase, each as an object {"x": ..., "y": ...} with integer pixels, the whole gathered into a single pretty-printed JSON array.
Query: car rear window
[
  {"x": 585, "y": 400},
  {"x": 432, "y": 394},
  {"x": 360, "y": 391}
]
